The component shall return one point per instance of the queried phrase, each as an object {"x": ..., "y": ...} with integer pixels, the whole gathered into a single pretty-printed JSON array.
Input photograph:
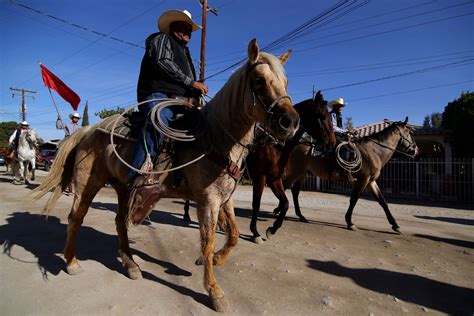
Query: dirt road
[{"x": 315, "y": 268}]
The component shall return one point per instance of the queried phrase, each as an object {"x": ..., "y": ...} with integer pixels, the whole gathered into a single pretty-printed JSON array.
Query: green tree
[
  {"x": 458, "y": 116},
  {"x": 106, "y": 113},
  {"x": 349, "y": 124},
  {"x": 436, "y": 119},
  {"x": 6, "y": 129},
  {"x": 85, "y": 115},
  {"x": 426, "y": 122}
]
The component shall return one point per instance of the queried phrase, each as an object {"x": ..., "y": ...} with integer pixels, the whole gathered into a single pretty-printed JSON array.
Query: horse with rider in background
[
  {"x": 266, "y": 162},
  {"x": 24, "y": 143},
  {"x": 372, "y": 153}
]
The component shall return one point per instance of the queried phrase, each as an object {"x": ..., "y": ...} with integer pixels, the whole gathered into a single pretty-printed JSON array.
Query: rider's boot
[{"x": 146, "y": 189}]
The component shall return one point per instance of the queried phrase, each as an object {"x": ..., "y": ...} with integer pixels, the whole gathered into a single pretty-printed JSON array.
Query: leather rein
[{"x": 411, "y": 145}]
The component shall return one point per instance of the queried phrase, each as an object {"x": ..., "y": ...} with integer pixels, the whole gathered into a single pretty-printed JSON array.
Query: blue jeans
[{"x": 148, "y": 134}]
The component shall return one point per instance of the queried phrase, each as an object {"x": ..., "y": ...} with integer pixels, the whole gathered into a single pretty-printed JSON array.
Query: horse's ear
[
  {"x": 284, "y": 57},
  {"x": 406, "y": 121},
  {"x": 318, "y": 96},
  {"x": 253, "y": 51}
]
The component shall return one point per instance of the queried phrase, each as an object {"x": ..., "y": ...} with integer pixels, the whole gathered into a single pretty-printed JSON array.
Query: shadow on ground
[
  {"x": 461, "y": 221},
  {"x": 455, "y": 242},
  {"x": 435, "y": 295},
  {"x": 44, "y": 238}
]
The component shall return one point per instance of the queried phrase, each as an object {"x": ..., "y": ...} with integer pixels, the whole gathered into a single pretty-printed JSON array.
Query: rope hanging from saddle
[
  {"x": 352, "y": 165},
  {"x": 179, "y": 135},
  {"x": 182, "y": 135}
]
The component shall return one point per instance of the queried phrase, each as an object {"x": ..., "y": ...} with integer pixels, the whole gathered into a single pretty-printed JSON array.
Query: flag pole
[
  {"x": 55, "y": 106},
  {"x": 54, "y": 103}
]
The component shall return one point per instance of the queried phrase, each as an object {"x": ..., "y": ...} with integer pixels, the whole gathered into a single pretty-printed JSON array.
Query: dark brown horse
[
  {"x": 266, "y": 163},
  {"x": 375, "y": 151}
]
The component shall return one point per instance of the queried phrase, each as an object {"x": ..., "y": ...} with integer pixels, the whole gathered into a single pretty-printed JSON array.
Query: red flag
[{"x": 53, "y": 82}]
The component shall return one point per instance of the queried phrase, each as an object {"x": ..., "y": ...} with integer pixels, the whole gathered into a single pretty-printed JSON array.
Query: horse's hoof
[
  {"x": 74, "y": 269},
  {"x": 258, "y": 240},
  {"x": 199, "y": 261},
  {"x": 352, "y": 227},
  {"x": 220, "y": 304},
  {"x": 269, "y": 233},
  {"x": 396, "y": 229},
  {"x": 276, "y": 212},
  {"x": 303, "y": 219},
  {"x": 187, "y": 219},
  {"x": 134, "y": 273},
  {"x": 32, "y": 178}
]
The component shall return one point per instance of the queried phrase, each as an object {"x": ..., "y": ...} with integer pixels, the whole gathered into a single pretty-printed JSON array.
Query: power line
[
  {"x": 239, "y": 52},
  {"x": 360, "y": 37},
  {"x": 410, "y": 91},
  {"x": 454, "y": 64},
  {"x": 383, "y": 32},
  {"x": 385, "y": 22},
  {"x": 77, "y": 25},
  {"x": 384, "y": 65},
  {"x": 336, "y": 11},
  {"x": 95, "y": 41}
]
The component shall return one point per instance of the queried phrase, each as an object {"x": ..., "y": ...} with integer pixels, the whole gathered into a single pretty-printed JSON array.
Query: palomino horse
[
  {"x": 375, "y": 151},
  {"x": 26, "y": 155},
  {"x": 267, "y": 161},
  {"x": 256, "y": 92}
]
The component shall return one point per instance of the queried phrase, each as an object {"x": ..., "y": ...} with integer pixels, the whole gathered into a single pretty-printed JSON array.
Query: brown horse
[
  {"x": 375, "y": 151},
  {"x": 267, "y": 161},
  {"x": 256, "y": 92}
]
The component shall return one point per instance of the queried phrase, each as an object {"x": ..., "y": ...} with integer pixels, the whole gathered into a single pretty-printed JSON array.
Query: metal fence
[{"x": 429, "y": 179}]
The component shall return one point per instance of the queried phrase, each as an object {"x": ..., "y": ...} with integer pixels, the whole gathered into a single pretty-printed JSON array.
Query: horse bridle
[
  {"x": 256, "y": 96},
  {"x": 268, "y": 108},
  {"x": 31, "y": 143},
  {"x": 411, "y": 144}
]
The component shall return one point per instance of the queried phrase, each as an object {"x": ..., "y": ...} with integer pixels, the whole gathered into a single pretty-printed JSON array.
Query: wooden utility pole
[
  {"x": 205, "y": 8},
  {"x": 16, "y": 91}
]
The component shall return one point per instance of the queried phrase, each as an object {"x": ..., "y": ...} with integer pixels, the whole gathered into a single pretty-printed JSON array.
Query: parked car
[
  {"x": 46, "y": 159},
  {"x": 2, "y": 159}
]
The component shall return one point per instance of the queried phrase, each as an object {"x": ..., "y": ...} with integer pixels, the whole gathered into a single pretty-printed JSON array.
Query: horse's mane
[
  {"x": 383, "y": 134},
  {"x": 228, "y": 94}
]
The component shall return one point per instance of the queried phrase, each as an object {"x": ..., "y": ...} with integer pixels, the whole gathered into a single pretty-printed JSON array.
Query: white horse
[{"x": 26, "y": 155}]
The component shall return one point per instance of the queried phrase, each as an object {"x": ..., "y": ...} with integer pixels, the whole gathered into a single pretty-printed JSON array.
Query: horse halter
[
  {"x": 256, "y": 96},
  {"x": 404, "y": 151},
  {"x": 31, "y": 143},
  {"x": 408, "y": 145}
]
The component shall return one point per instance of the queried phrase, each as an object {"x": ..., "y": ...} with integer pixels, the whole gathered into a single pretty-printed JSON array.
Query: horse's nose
[{"x": 288, "y": 121}]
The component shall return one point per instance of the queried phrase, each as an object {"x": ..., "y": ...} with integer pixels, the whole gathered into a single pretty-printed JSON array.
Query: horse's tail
[{"x": 60, "y": 174}]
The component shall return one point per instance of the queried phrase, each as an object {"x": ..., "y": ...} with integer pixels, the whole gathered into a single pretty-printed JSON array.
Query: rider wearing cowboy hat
[
  {"x": 336, "y": 116},
  {"x": 341, "y": 133},
  {"x": 15, "y": 137},
  {"x": 71, "y": 127},
  {"x": 166, "y": 71}
]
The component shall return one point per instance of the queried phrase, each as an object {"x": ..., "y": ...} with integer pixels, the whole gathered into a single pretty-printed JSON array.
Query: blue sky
[{"x": 424, "y": 50}]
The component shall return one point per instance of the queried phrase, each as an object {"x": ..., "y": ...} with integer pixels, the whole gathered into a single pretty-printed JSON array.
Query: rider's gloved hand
[{"x": 201, "y": 87}]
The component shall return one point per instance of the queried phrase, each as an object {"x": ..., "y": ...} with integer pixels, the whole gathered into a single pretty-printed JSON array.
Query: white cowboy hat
[
  {"x": 338, "y": 101},
  {"x": 25, "y": 123},
  {"x": 174, "y": 16},
  {"x": 76, "y": 115}
]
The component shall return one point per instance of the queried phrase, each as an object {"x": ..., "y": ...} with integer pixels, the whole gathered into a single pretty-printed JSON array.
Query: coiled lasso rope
[
  {"x": 350, "y": 166},
  {"x": 169, "y": 102},
  {"x": 176, "y": 134}
]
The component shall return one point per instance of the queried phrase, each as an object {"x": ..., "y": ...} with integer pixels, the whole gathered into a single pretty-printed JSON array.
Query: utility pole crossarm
[{"x": 23, "y": 93}]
